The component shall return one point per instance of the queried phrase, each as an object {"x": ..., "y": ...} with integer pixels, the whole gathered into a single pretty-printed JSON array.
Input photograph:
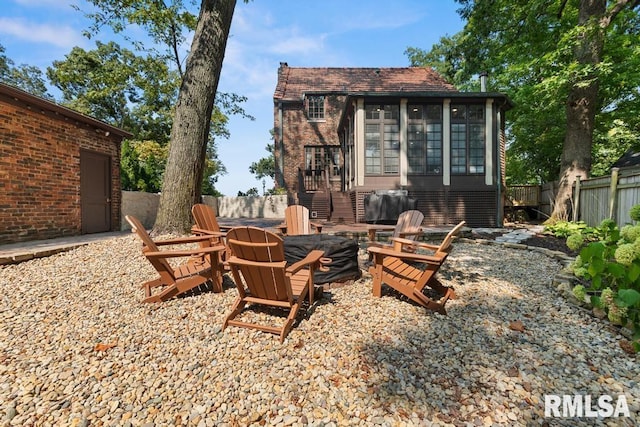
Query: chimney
[
  {"x": 281, "y": 68},
  {"x": 483, "y": 81}
]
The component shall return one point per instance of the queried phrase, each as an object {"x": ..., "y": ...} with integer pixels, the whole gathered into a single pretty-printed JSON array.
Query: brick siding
[
  {"x": 40, "y": 171},
  {"x": 299, "y": 132}
]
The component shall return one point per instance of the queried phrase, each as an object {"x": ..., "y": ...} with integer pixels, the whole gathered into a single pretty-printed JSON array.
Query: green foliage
[
  {"x": 634, "y": 213},
  {"x": 252, "y": 192},
  {"x": 567, "y": 228},
  {"x": 115, "y": 85},
  {"x": 25, "y": 77},
  {"x": 610, "y": 268},
  {"x": 528, "y": 50},
  {"x": 266, "y": 166},
  {"x": 142, "y": 165}
]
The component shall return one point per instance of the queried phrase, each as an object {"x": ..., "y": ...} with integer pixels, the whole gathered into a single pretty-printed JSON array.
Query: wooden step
[{"x": 342, "y": 209}]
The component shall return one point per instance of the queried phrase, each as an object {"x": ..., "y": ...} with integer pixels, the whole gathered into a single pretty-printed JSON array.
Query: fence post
[
  {"x": 612, "y": 192},
  {"x": 576, "y": 199}
]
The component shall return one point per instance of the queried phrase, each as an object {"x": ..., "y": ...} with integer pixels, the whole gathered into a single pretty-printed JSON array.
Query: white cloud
[{"x": 57, "y": 35}]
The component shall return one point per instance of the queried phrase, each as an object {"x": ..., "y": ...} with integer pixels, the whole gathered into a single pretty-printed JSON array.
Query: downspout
[{"x": 500, "y": 135}]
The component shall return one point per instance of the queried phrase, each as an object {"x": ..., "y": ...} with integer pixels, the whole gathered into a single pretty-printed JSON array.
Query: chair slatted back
[
  {"x": 409, "y": 223},
  {"x": 297, "y": 219},
  {"x": 258, "y": 258},
  {"x": 148, "y": 245},
  {"x": 445, "y": 245},
  {"x": 205, "y": 217}
]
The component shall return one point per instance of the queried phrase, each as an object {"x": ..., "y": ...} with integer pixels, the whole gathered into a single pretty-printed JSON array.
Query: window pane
[
  {"x": 416, "y": 154},
  {"x": 415, "y": 112},
  {"x": 434, "y": 112},
  {"x": 476, "y": 112},
  {"x": 434, "y": 148},
  {"x": 458, "y": 148},
  {"x": 458, "y": 112},
  {"x": 372, "y": 112},
  {"x": 391, "y": 152},
  {"x": 391, "y": 112},
  {"x": 315, "y": 107}
]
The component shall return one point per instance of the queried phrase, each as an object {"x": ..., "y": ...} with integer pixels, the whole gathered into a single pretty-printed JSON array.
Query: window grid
[
  {"x": 424, "y": 153},
  {"x": 315, "y": 107},
  {"x": 319, "y": 157},
  {"x": 467, "y": 139},
  {"x": 382, "y": 139}
]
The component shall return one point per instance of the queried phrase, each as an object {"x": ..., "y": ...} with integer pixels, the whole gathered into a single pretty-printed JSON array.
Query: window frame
[
  {"x": 387, "y": 141},
  {"x": 468, "y": 139},
  {"x": 431, "y": 127},
  {"x": 321, "y": 155},
  {"x": 315, "y": 108}
]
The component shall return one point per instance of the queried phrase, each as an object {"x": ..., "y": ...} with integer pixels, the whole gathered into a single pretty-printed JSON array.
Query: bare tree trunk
[
  {"x": 182, "y": 183},
  {"x": 581, "y": 107}
]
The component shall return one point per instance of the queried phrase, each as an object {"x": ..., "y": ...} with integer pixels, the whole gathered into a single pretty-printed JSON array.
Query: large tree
[
  {"x": 190, "y": 130},
  {"x": 26, "y": 77},
  {"x": 538, "y": 53},
  {"x": 167, "y": 23}
]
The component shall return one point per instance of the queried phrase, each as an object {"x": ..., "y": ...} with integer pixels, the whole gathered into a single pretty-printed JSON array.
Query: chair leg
[
  {"x": 376, "y": 273},
  {"x": 289, "y": 323},
  {"x": 237, "y": 308}
]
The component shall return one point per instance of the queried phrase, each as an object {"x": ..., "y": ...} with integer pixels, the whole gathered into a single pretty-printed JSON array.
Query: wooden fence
[
  {"x": 594, "y": 199},
  {"x": 607, "y": 197}
]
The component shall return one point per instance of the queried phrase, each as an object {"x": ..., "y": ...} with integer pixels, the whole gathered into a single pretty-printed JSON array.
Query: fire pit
[{"x": 342, "y": 251}]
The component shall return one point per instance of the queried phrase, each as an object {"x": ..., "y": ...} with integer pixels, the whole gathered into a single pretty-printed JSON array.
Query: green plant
[
  {"x": 567, "y": 228},
  {"x": 610, "y": 267}
]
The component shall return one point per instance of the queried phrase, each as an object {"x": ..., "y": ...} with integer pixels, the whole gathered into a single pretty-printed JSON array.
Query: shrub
[{"x": 609, "y": 262}]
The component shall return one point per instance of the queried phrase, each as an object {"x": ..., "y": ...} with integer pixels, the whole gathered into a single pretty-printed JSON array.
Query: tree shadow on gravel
[{"x": 496, "y": 354}]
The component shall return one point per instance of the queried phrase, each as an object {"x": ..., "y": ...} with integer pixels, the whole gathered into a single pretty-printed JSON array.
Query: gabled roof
[
  {"x": 629, "y": 159},
  {"x": 295, "y": 82},
  {"x": 45, "y": 105}
]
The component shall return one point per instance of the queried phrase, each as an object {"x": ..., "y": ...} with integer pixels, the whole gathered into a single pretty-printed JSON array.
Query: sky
[{"x": 302, "y": 33}]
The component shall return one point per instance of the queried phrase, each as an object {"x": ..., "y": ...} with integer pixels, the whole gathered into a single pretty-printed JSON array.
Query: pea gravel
[{"x": 77, "y": 348}]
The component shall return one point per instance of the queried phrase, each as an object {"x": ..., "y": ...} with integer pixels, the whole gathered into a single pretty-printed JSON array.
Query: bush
[{"x": 609, "y": 262}]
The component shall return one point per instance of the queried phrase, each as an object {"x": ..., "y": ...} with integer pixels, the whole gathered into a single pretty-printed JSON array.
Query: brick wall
[
  {"x": 40, "y": 171},
  {"x": 298, "y": 132}
]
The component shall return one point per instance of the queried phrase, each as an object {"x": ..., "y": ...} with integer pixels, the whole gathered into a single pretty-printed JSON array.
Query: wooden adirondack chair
[
  {"x": 197, "y": 270},
  {"x": 399, "y": 270},
  {"x": 408, "y": 226},
  {"x": 206, "y": 224},
  {"x": 263, "y": 277},
  {"x": 296, "y": 222}
]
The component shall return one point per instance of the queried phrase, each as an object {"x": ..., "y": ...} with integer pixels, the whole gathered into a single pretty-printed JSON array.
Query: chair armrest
[
  {"x": 311, "y": 258},
  {"x": 415, "y": 243},
  {"x": 409, "y": 256},
  {"x": 281, "y": 227},
  {"x": 184, "y": 252},
  {"x": 411, "y": 233},
  {"x": 202, "y": 231},
  {"x": 182, "y": 240},
  {"x": 373, "y": 229},
  {"x": 317, "y": 226}
]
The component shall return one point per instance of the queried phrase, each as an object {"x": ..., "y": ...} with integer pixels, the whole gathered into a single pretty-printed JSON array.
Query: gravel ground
[{"x": 78, "y": 348}]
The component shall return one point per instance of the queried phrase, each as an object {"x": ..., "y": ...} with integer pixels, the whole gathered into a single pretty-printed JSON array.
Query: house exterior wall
[
  {"x": 444, "y": 198},
  {"x": 294, "y": 131},
  {"x": 40, "y": 171}
]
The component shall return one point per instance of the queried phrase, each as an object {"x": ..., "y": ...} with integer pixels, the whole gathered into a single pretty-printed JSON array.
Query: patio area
[{"x": 78, "y": 348}]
